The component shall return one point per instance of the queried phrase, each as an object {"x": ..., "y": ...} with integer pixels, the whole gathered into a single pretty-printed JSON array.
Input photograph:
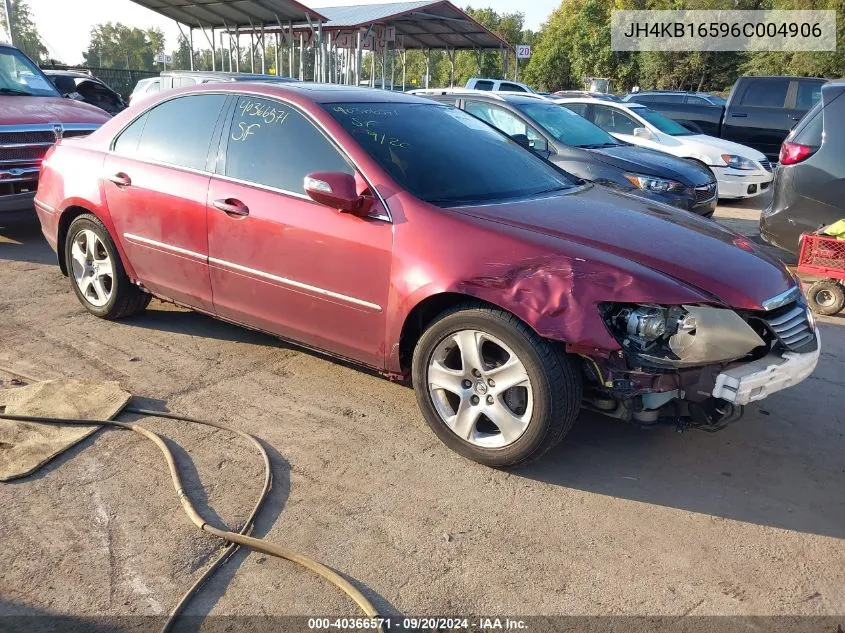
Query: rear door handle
[
  {"x": 740, "y": 115},
  {"x": 120, "y": 179},
  {"x": 231, "y": 206},
  {"x": 795, "y": 118}
]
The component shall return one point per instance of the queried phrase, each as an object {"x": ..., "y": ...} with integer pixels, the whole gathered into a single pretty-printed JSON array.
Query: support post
[
  {"x": 251, "y": 51},
  {"x": 237, "y": 49},
  {"x": 427, "y": 67},
  {"x": 358, "y": 60},
  {"x": 9, "y": 21},
  {"x": 263, "y": 53},
  {"x": 329, "y": 59},
  {"x": 302, "y": 57},
  {"x": 210, "y": 43},
  {"x": 451, "y": 54},
  {"x": 191, "y": 45},
  {"x": 383, "y": 66},
  {"x": 404, "y": 68},
  {"x": 289, "y": 38},
  {"x": 278, "y": 56}
]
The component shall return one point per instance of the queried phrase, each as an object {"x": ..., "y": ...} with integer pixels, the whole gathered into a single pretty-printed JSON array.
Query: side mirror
[
  {"x": 336, "y": 190},
  {"x": 642, "y": 132},
  {"x": 522, "y": 139},
  {"x": 539, "y": 145}
]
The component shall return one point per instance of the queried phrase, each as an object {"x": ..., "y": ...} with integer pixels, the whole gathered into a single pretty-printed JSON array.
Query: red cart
[{"x": 823, "y": 256}]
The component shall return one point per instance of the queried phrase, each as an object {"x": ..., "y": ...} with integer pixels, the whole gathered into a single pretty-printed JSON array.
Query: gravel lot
[{"x": 615, "y": 521}]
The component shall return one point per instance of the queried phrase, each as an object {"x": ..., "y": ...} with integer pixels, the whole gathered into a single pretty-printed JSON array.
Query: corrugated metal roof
[
  {"x": 420, "y": 24},
  {"x": 362, "y": 14},
  {"x": 231, "y": 13}
]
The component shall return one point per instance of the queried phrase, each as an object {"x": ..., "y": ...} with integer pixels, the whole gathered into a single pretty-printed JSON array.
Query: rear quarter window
[
  {"x": 511, "y": 88},
  {"x": 484, "y": 85},
  {"x": 810, "y": 131}
]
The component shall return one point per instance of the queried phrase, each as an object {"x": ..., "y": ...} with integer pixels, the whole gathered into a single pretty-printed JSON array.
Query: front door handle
[
  {"x": 120, "y": 179},
  {"x": 795, "y": 118},
  {"x": 231, "y": 206}
]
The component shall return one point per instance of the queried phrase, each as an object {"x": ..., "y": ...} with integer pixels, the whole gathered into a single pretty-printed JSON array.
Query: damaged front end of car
[{"x": 698, "y": 365}]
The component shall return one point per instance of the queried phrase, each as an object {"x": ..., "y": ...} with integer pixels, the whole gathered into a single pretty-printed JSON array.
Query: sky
[{"x": 65, "y": 25}]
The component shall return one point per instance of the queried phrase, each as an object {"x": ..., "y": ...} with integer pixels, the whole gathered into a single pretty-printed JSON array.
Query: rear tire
[
  {"x": 457, "y": 363},
  {"x": 826, "y": 297},
  {"x": 96, "y": 272}
]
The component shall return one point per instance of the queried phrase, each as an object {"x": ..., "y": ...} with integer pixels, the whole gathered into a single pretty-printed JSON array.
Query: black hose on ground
[{"x": 235, "y": 539}]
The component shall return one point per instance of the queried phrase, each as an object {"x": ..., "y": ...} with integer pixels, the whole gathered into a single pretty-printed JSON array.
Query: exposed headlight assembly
[
  {"x": 655, "y": 185},
  {"x": 681, "y": 336},
  {"x": 738, "y": 162}
]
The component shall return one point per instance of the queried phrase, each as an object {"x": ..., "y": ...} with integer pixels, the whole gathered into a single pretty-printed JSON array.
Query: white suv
[{"x": 497, "y": 85}]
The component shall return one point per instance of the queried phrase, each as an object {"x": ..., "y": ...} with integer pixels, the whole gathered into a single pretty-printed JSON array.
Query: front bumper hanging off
[{"x": 760, "y": 378}]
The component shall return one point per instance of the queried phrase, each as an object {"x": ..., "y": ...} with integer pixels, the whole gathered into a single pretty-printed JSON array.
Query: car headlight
[
  {"x": 654, "y": 185},
  {"x": 680, "y": 336},
  {"x": 738, "y": 162}
]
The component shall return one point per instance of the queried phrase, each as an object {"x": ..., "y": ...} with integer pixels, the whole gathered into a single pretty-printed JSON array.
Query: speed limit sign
[{"x": 523, "y": 51}]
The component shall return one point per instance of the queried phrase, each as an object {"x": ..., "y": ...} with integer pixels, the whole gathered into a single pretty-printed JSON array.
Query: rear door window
[
  {"x": 668, "y": 99},
  {"x": 698, "y": 101},
  {"x": 767, "y": 93},
  {"x": 578, "y": 108},
  {"x": 272, "y": 144},
  {"x": 614, "y": 121},
  {"x": 511, "y": 87},
  {"x": 182, "y": 82},
  {"x": 178, "y": 132},
  {"x": 484, "y": 85}
]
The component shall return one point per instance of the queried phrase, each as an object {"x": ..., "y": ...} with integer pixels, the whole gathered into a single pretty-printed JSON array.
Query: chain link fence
[{"x": 121, "y": 80}]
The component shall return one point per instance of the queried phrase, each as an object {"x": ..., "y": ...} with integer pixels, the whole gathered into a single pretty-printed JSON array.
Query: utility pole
[{"x": 9, "y": 21}]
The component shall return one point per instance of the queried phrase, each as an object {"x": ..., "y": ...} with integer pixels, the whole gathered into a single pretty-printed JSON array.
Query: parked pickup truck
[
  {"x": 33, "y": 116},
  {"x": 760, "y": 111}
]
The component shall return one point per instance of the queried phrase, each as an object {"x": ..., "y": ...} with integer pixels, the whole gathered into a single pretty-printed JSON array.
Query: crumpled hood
[
  {"x": 679, "y": 244},
  {"x": 649, "y": 162},
  {"x": 20, "y": 110}
]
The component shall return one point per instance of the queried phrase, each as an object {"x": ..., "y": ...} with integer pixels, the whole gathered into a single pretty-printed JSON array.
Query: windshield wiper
[
  {"x": 15, "y": 91},
  {"x": 600, "y": 145}
]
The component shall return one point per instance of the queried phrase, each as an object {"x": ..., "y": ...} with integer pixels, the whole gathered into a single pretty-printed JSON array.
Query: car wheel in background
[
  {"x": 96, "y": 272},
  {"x": 826, "y": 297},
  {"x": 491, "y": 389}
]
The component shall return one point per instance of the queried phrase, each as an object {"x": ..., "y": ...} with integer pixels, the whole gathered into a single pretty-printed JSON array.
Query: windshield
[
  {"x": 662, "y": 123},
  {"x": 566, "y": 126},
  {"x": 18, "y": 75},
  {"x": 445, "y": 156}
]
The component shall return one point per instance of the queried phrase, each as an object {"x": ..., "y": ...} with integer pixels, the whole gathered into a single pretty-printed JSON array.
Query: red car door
[
  {"x": 156, "y": 185},
  {"x": 281, "y": 262}
]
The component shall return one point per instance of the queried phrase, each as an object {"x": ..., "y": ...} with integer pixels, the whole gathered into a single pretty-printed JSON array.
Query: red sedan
[{"x": 408, "y": 236}]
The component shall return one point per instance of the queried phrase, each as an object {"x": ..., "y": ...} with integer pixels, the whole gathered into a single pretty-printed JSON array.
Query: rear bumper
[
  {"x": 49, "y": 223},
  {"x": 17, "y": 202},
  {"x": 737, "y": 183},
  {"x": 761, "y": 378}
]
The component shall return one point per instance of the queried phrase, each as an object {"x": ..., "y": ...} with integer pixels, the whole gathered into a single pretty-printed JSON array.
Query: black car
[
  {"x": 588, "y": 152},
  {"x": 809, "y": 185},
  {"x": 84, "y": 87}
]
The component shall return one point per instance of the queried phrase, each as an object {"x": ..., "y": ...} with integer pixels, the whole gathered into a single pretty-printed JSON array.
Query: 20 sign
[{"x": 523, "y": 51}]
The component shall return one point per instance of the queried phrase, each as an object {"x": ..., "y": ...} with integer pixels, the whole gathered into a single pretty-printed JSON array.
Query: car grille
[
  {"x": 766, "y": 165},
  {"x": 790, "y": 326},
  {"x": 22, "y": 149},
  {"x": 705, "y": 193}
]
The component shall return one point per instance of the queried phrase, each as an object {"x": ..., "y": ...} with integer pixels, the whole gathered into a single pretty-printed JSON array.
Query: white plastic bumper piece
[{"x": 761, "y": 378}]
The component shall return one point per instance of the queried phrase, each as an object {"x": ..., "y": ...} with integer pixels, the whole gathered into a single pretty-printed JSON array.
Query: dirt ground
[{"x": 749, "y": 521}]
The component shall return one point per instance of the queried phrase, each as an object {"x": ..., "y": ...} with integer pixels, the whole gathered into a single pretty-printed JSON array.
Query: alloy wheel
[
  {"x": 480, "y": 389},
  {"x": 92, "y": 268}
]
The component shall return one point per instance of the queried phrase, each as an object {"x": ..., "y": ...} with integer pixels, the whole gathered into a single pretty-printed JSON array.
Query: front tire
[
  {"x": 96, "y": 272},
  {"x": 826, "y": 297},
  {"x": 491, "y": 389}
]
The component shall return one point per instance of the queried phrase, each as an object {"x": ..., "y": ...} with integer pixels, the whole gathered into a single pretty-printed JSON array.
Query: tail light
[{"x": 791, "y": 153}]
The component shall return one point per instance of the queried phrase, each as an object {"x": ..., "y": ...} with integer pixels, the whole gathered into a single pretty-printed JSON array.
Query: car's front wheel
[
  {"x": 491, "y": 389},
  {"x": 96, "y": 272}
]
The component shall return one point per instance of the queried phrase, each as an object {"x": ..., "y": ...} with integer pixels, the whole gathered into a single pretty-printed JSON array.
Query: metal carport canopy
[
  {"x": 419, "y": 25},
  {"x": 230, "y": 14}
]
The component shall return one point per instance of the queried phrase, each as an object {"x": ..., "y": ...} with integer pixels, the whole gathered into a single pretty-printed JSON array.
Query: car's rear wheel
[
  {"x": 491, "y": 389},
  {"x": 96, "y": 272},
  {"x": 826, "y": 297}
]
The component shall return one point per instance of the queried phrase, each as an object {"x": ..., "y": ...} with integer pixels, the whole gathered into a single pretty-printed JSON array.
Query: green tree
[
  {"x": 24, "y": 32},
  {"x": 119, "y": 46}
]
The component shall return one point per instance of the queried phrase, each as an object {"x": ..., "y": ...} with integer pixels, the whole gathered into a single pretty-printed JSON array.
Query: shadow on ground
[{"x": 770, "y": 468}]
